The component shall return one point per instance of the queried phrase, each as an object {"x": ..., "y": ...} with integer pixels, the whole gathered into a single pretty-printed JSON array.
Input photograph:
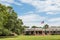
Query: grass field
[{"x": 48, "y": 37}]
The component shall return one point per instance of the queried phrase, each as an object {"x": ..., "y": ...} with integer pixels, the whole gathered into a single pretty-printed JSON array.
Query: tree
[
  {"x": 3, "y": 17},
  {"x": 26, "y": 26},
  {"x": 18, "y": 28},
  {"x": 34, "y": 29},
  {"x": 5, "y": 32},
  {"x": 9, "y": 21},
  {"x": 34, "y": 26},
  {"x": 45, "y": 27}
]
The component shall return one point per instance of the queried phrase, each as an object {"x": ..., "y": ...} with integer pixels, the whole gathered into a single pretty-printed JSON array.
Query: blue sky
[{"x": 32, "y": 12}]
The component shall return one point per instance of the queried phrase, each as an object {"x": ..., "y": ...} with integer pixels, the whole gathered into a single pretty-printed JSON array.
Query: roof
[
  {"x": 41, "y": 29},
  {"x": 32, "y": 29}
]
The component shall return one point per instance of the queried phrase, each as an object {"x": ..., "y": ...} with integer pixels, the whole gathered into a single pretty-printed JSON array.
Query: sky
[{"x": 33, "y": 12}]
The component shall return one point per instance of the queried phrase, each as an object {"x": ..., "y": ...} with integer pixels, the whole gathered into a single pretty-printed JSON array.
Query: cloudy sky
[{"x": 32, "y": 12}]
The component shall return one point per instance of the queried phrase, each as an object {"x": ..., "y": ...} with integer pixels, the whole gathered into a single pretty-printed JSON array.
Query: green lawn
[{"x": 50, "y": 37}]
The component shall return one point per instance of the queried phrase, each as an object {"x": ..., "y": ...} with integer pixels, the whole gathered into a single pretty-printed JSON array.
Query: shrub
[
  {"x": 17, "y": 31},
  {"x": 0, "y": 31},
  {"x": 6, "y": 32}
]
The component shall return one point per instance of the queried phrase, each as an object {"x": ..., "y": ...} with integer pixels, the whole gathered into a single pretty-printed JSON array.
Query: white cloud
[
  {"x": 50, "y": 13},
  {"x": 41, "y": 6},
  {"x": 30, "y": 24},
  {"x": 54, "y": 24},
  {"x": 6, "y": 4},
  {"x": 54, "y": 20},
  {"x": 53, "y": 12},
  {"x": 32, "y": 19},
  {"x": 46, "y": 6},
  {"x": 16, "y": 3},
  {"x": 9, "y": 2},
  {"x": 30, "y": 12}
]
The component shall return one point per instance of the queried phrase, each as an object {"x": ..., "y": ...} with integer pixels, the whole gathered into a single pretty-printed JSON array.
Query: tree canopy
[
  {"x": 9, "y": 22},
  {"x": 34, "y": 27},
  {"x": 46, "y": 26}
]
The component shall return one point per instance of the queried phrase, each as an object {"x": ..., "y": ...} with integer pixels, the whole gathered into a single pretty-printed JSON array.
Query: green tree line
[{"x": 9, "y": 22}]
